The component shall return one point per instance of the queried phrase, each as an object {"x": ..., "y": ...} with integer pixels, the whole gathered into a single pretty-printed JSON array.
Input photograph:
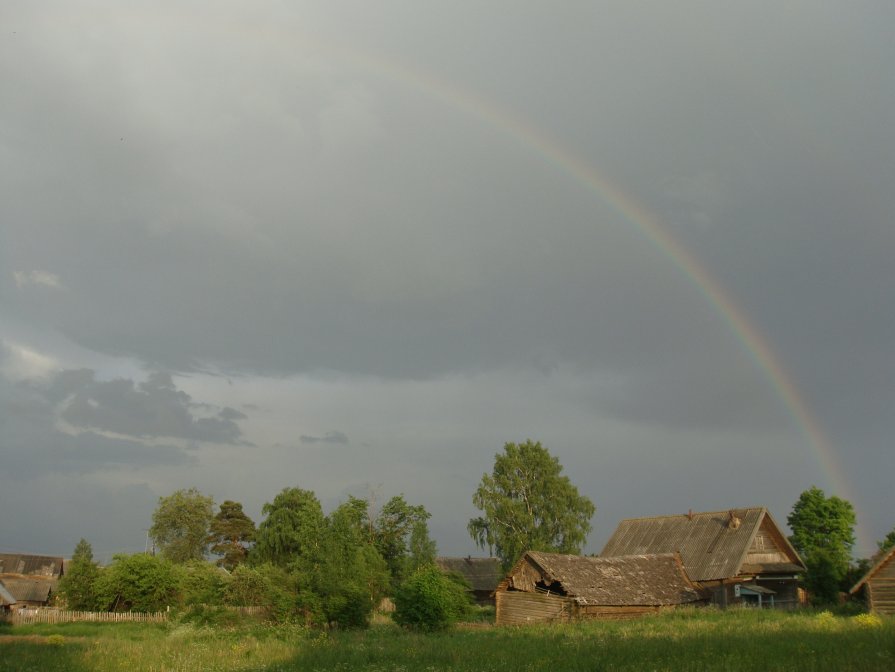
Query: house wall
[
  {"x": 881, "y": 589},
  {"x": 520, "y": 608},
  {"x": 723, "y": 594},
  {"x": 766, "y": 548}
]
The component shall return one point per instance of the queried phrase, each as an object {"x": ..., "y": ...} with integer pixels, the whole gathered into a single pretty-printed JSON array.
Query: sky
[{"x": 357, "y": 247}]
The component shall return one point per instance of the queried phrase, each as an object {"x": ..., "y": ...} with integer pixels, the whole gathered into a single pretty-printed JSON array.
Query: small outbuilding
[
  {"x": 545, "y": 587},
  {"x": 482, "y": 575},
  {"x": 879, "y": 584}
]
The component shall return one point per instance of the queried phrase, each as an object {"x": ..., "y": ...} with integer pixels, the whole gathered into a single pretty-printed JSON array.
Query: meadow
[{"x": 685, "y": 640}]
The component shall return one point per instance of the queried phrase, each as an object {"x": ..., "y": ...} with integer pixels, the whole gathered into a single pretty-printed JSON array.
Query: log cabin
[
  {"x": 740, "y": 555},
  {"x": 549, "y": 587},
  {"x": 879, "y": 584}
]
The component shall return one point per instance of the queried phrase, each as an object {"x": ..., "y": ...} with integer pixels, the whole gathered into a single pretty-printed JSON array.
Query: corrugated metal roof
[
  {"x": 712, "y": 545},
  {"x": 31, "y": 565},
  {"x": 634, "y": 580},
  {"x": 28, "y": 589},
  {"x": 481, "y": 573}
]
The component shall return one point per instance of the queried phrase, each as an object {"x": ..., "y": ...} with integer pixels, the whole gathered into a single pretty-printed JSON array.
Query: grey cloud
[
  {"x": 153, "y": 408},
  {"x": 337, "y": 438},
  {"x": 32, "y": 444}
]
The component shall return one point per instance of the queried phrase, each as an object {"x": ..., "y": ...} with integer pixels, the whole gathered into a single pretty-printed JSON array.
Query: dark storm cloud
[
  {"x": 33, "y": 445},
  {"x": 153, "y": 408},
  {"x": 337, "y": 438}
]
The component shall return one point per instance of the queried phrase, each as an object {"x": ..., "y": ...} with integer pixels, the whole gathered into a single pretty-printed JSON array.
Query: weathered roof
[
  {"x": 29, "y": 589},
  {"x": 6, "y": 597},
  {"x": 713, "y": 545},
  {"x": 481, "y": 573},
  {"x": 632, "y": 580},
  {"x": 884, "y": 558},
  {"x": 31, "y": 565}
]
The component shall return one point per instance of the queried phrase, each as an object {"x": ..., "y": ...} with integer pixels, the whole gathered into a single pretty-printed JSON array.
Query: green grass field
[{"x": 683, "y": 640}]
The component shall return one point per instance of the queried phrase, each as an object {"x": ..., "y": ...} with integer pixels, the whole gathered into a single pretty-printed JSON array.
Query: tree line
[{"x": 336, "y": 568}]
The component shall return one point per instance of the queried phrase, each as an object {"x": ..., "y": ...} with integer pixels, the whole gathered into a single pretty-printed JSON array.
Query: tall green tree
[
  {"x": 887, "y": 542},
  {"x": 823, "y": 534},
  {"x": 353, "y": 577},
  {"x": 527, "y": 504},
  {"x": 78, "y": 584},
  {"x": 230, "y": 533},
  {"x": 180, "y": 525},
  {"x": 401, "y": 534},
  {"x": 289, "y": 536}
]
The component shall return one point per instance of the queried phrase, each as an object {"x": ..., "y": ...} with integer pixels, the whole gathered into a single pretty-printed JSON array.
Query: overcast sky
[{"x": 356, "y": 247}]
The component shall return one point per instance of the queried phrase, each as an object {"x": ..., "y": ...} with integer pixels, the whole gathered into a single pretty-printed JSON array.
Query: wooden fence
[{"x": 30, "y": 616}]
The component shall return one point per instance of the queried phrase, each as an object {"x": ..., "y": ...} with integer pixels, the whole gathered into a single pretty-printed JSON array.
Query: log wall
[
  {"x": 520, "y": 608},
  {"x": 881, "y": 589}
]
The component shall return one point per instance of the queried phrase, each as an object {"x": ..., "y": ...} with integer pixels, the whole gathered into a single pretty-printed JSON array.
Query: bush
[
  {"x": 201, "y": 583},
  {"x": 201, "y": 614},
  {"x": 138, "y": 582},
  {"x": 429, "y": 600}
]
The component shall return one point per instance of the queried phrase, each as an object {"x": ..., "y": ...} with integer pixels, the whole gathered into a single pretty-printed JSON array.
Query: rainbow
[{"x": 525, "y": 134}]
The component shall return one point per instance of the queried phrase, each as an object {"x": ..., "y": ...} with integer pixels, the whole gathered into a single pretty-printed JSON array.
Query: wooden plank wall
[
  {"x": 881, "y": 589},
  {"x": 519, "y": 608}
]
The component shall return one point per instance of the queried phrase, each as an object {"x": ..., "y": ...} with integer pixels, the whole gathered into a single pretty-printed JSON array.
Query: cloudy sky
[{"x": 356, "y": 247}]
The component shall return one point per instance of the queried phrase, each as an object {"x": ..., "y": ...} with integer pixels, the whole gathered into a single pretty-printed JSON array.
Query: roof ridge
[{"x": 698, "y": 513}]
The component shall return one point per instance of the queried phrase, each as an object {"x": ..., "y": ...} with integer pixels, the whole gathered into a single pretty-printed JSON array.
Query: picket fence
[
  {"x": 30, "y": 616},
  {"x": 43, "y": 615}
]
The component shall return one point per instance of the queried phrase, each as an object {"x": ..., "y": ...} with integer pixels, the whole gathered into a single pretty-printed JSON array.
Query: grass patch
[{"x": 747, "y": 640}]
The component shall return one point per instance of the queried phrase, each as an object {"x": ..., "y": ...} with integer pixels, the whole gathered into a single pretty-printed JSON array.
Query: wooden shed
[
  {"x": 30, "y": 579},
  {"x": 545, "y": 587},
  {"x": 482, "y": 575},
  {"x": 740, "y": 555},
  {"x": 879, "y": 584}
]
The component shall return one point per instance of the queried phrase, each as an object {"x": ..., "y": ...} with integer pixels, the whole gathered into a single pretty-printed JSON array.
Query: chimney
[
  {"x": 733, "y": 523},
  {"x": 690, "y": 514}
]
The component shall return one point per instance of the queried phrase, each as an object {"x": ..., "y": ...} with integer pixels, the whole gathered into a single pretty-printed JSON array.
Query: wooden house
[
  {"x": 545, "y": 587},
  {"x": 879, "y": 584},
  {"x": 31, "y": 579},
  {"x": 740, "y": 555},
  {"x": 482, "y": 575}
]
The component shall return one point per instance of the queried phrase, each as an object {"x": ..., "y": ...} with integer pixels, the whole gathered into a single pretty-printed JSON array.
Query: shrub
[
  {"x": 429, "y": 600},
  {"x": 138, "y": 582}
]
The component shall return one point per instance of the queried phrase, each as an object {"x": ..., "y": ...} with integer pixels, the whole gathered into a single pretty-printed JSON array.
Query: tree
[
  {"x": 401, "y": 536},
  {"x": 887, "y": 542},
  {"x": 180, "y": 525},
  {"x": 353, "y": 577},
  {"x": 529, "y": 505},
  {"x": 823, "y": 534},
  {"x": 231, "y": 531},
  {"x": 138, "y": 582},
  {"x": 78, "y": 584},
  {"x": 290, "y": 535}
]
